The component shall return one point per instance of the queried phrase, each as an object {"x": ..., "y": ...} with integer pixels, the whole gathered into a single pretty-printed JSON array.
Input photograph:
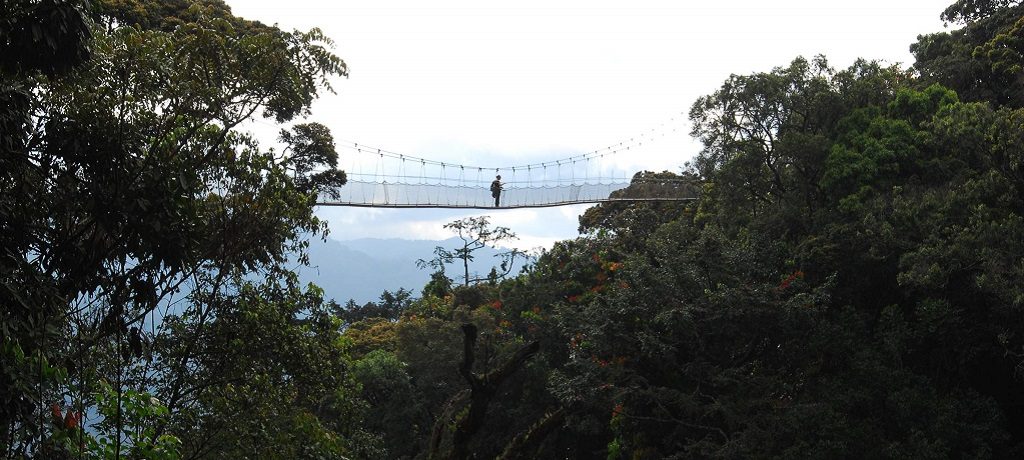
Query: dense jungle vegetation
[{"x": 849, "y": 285}]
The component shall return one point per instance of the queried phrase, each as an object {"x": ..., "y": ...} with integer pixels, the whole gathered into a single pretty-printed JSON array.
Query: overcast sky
[{"x": 499, "y": 83}]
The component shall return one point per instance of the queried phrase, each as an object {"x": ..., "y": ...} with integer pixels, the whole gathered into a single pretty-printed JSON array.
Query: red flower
[
  {"x": 617, "y": 409},
  {"x": 799, "y": 274}
]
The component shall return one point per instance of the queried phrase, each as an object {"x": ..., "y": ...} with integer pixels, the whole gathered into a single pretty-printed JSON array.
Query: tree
[
  {"x": 310, "y": 146},
  {"x": 982, "y": 60},
  {"x": 743, "y": 124},
  {"x": 38, "y": 40},
  {"x": 482, "y": 389},
  {"x": 50, "y": 37},
  {"x": 266, "y": 376},
  {"x": 633, "y": 222},
  {"x": 967, "y": 11},
  {"x": 128, "y": 189},
  {"x": 390, "y": 307},
  {"x": 475, "y": 233},
  {"x": 395, "y": 405}
]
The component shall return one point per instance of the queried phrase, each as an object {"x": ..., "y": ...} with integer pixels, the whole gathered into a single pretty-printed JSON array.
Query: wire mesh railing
[{"x": 404, "y": 195}]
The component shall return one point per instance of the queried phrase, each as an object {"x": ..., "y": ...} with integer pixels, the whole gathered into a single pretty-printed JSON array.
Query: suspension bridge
[{"x": 386, "y": 179}]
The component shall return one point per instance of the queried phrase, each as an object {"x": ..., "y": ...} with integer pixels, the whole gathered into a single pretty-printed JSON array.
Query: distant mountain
[{"x": 361, "y": 269}]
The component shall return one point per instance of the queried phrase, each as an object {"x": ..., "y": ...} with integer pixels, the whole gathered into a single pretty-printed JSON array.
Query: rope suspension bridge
[{"x": 387, "y": 179}]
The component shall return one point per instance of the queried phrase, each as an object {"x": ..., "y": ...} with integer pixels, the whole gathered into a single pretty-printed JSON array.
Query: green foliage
[
  {"x": 967, "y": 11},
  {"x": 391, "y": 306},
  {"x": 843, "y": 284},
  {"x": 128, "y": 427},
  {"x": 128, "y": 196},
  {"x": 439, "y": 286},
  {"x": 847, "y": 284},
  {"x": 312, "y": 146},
  {"x": 1003, "y": 52},
  {"x": 270, "y": 365},
  {"x": 633, "y": 222},
  {"x": 767, "y": 136},
  {"x": 877, "y": 151},
  {"x": 395, "y": 406},
  {"x": 980, "y": 61},
  {"x": 50, "y": 36}
]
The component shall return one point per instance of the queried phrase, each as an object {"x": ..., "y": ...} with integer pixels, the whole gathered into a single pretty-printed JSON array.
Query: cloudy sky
[{"x": 500, "y": 83}]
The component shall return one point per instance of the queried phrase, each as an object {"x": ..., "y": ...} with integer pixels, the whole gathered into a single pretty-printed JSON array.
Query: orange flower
[
  {"x": 55, "y": 411},
  {"x": 496, "y": 305},
  {"x": 71, "y": 420}
]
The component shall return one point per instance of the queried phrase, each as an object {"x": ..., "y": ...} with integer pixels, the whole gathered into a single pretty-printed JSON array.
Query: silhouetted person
[{"x": 496, "y": 190}]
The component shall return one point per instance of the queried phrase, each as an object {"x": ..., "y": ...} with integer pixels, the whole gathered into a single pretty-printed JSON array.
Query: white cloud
[{"x": 514, "y": 217}]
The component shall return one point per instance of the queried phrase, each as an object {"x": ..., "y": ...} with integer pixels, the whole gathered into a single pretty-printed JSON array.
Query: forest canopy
[{"x": 848, "y": 285}]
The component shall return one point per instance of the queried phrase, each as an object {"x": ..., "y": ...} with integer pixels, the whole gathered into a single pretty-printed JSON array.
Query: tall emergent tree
[{"x": 475, "y": 233}]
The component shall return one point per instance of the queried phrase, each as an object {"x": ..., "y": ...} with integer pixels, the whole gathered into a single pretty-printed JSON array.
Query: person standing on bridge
[{"x": 496, "y": 190}]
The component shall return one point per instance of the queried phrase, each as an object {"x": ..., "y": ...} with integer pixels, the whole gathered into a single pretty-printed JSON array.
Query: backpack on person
[{"x": 495, "y": 188}]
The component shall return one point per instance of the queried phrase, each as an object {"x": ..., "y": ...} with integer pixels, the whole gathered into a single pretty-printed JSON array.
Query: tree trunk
[{"x": 482, "y": 389}]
